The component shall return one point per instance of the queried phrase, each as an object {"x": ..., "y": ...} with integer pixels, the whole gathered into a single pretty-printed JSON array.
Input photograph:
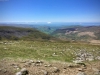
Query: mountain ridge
[
  {"x": 19, "y": 33},
  {"x": 83, "y": 33}
]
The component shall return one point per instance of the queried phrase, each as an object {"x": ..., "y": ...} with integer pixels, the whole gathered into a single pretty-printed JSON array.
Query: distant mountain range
[
  {"x": 47, "y": 32},
  {"x": 78, "y": 33}
]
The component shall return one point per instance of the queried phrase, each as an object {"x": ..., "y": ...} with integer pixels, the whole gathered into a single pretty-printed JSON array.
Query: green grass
[{"x": 43, "y": 50}]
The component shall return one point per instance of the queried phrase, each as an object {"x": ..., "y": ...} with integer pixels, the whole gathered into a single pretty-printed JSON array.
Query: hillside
[
  {"x": 44, "y": 29},
  {"x": 81, "y": 33},
  {"x": 48, "y": 58},
  {"x": 17, "y": 33},
  {"x": 45, "y": 58}
]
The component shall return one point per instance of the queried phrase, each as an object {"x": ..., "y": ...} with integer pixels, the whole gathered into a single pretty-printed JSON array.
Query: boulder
[{"x": 23, "y": 71}]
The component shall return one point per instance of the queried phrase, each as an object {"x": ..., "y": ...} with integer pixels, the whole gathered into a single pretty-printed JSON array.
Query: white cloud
[{"x": 48, "y": 22}]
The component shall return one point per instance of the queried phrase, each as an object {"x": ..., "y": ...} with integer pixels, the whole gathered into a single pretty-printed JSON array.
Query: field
[{"x": 46, "y": 51}]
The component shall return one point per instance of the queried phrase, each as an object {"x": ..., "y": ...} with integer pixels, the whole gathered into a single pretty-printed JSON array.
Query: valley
[{"x": 30, "y": 49}]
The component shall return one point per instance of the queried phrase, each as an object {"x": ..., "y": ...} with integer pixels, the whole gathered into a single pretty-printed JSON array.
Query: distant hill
[
  {"x": 78, "y": 33},
  {"x": 50, "y": 29},
  {"x": 19, "y": 33},
  {"x": 46, "y": 29},
  {"x": 43, "y": 28}
]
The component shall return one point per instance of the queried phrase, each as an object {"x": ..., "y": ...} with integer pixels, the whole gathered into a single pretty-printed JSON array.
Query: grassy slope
[
  {"x": 43, "y": 50},
  {"x": 47, "y": 50}
]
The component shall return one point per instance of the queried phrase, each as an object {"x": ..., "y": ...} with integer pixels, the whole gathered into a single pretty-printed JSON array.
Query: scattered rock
[
  {"x": 38, "y": 63},
  {"x": 97, "y": 58},
  {"x": 23, "y": 61},
  {"x": 82, "y": 64},
  {"x": 23, "y": 71},
  {"x": 48, "y": 65},
  {"x": 84, "y": 56},
  {"x": 15, "y": 66},
  {"x": 97, "y": 73},
  {"x": 18, "y": 73},
  {"x": 73, "y": 65},
  {"x": 31, "y": 61},
  {"x": 90, "y": 58},
  {"x": 78, "y": 61},
  {"x": 55, "y": 70},
  {"x": 27, "y": 64},
  {"x": 45, "y": 72},
  {"x": 48, "y": 68},
  {"x": 70, "y": 66},
  {"x": 80, "y": 69},
  {"x": 81, "y": 73}
]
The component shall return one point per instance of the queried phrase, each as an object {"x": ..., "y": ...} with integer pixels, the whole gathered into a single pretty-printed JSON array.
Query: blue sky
[{"x": 49, "y": 11}]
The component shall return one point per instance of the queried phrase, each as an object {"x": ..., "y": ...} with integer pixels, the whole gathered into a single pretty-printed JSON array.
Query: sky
[{"x": 49, "y": 11}]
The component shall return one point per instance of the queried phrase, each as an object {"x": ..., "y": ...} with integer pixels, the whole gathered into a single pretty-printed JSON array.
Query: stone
[
  {"x": 82, "y": 64},
  {"x": 70, "y": 66},
  {"x": 18, "y": 73},
  {"x": 81, "y": 73},
  {"x": 24, "y": 71},
  {"x": 31, "y": 61},
  {"x": 80, "y": 69},
  {"x": 38, "y": 63},
  {"x": 78, "y": 61},
  {"x": 23, "y": 61},
  {"x": 45, "y": 72},
  {"x": 27, "y": 64},
  {"x": 97, "y": 73},
  {"x": 15, "y": 66},
  {"x": 55, "y": 70},
  {"x": 48, "y": 65},
  {"x": 97, "y": 58},
  {"x": 91, "y": 58}
]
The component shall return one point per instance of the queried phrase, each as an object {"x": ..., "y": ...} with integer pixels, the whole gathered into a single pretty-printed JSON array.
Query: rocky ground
[{"x": 40, "y": 67}]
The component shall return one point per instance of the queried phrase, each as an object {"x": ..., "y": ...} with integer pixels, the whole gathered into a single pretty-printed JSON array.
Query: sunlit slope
[
  {"x": 46, "y": 50},
  {"x": 82, "y": 33}
]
